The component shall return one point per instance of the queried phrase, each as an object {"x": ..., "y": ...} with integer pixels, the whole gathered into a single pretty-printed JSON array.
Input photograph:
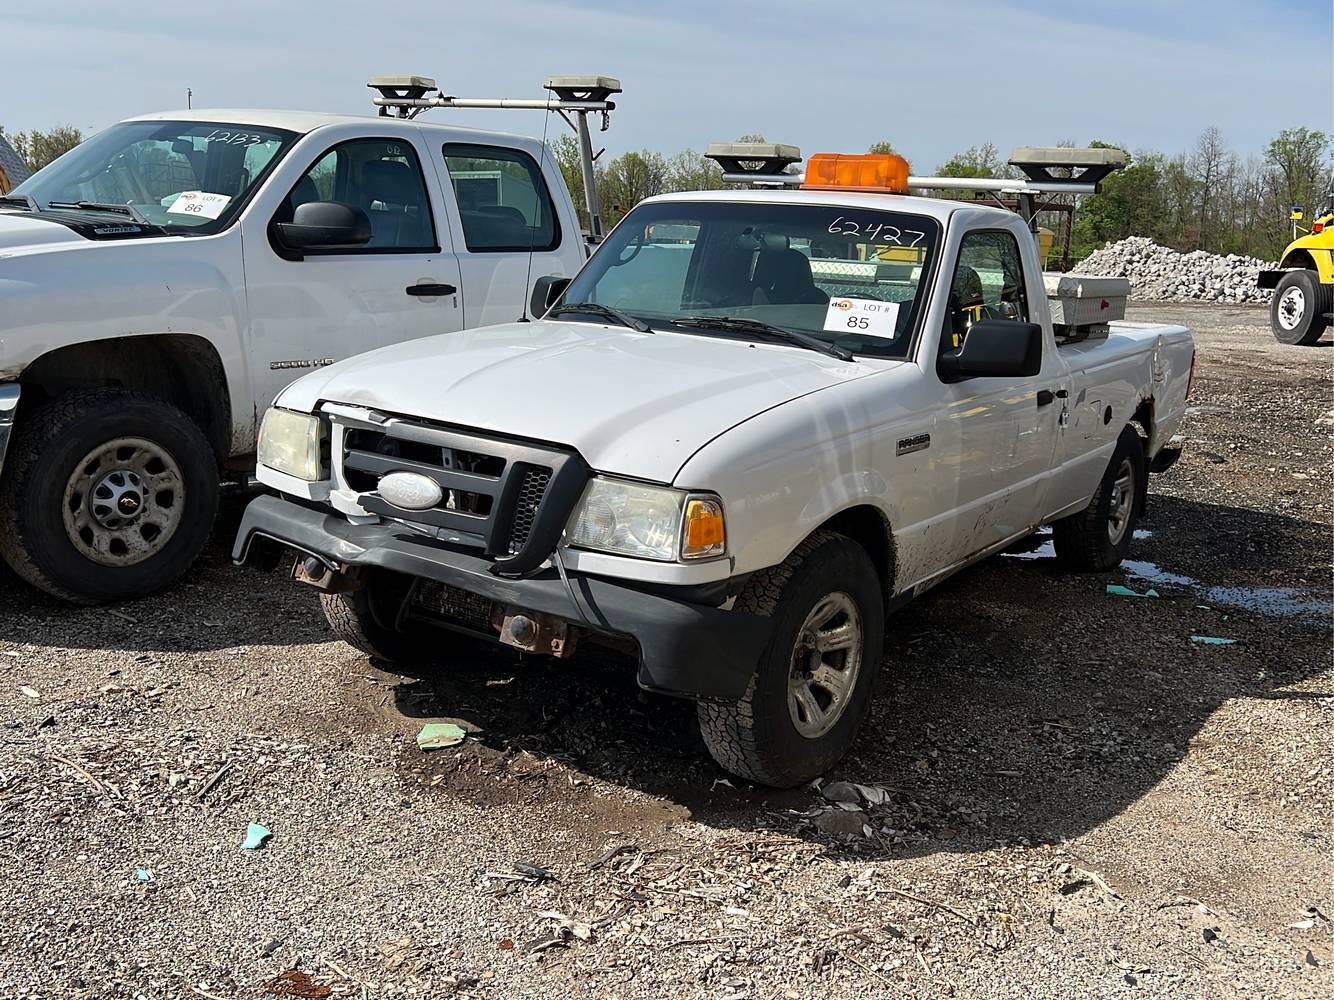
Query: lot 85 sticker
[
  {"x": 199, "y": 203},
  {"x": 868, "y": 317}
]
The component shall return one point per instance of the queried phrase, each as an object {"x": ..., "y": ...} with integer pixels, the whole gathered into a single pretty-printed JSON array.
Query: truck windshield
[
  {"x": 848, "y": 276},
  {"x": 186, "y": 176}
]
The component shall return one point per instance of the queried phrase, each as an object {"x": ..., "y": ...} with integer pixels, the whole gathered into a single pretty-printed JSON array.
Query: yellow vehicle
[{"x": 1300, "y": 310}]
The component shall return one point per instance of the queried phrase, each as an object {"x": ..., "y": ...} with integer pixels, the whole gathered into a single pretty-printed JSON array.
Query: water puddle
[
  {"x": 1282, "y": 602},
  {"x": 1153, "y": 573},
  {"x": 1039, "y": 546}
]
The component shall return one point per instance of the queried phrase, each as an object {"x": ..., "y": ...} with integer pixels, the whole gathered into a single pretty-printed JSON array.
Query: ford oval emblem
[{"x": 410, "y": 490}]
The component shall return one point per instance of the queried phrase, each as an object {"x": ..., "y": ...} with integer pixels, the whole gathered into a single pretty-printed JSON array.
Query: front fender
[
  {"x": 786, "y": 471},
  {"x": 73, "y": 294}
]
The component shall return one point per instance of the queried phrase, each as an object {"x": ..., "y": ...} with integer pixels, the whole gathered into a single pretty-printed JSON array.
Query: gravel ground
[{"x": 1067, "y": 797}]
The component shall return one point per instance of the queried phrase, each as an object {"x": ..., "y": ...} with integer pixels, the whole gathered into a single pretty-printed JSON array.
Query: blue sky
[{"x": 932, "y": 76}]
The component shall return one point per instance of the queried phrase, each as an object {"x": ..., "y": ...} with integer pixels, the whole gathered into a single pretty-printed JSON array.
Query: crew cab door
[
  {"x": 314, "y": 307},
  {"x": 1004, "y": 428},
  {"x": 507, "y": 227}
]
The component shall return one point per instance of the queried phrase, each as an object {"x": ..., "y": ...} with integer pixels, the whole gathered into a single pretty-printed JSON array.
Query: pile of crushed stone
[{"x": 1161, "y": 274}]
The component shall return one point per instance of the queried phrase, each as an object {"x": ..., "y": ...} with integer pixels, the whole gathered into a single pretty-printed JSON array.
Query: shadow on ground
[
  {"x": 215, "y": 606},
  {"x": 1019, "y": 703}
]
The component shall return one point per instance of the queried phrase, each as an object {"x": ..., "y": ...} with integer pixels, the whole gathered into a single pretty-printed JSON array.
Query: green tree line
[
  {"x": 37, "y": 148},
  {"x": 1207, "y": 197}
]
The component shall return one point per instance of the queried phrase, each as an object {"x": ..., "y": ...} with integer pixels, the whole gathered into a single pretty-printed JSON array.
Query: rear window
[{"x": 504, "y": 203}]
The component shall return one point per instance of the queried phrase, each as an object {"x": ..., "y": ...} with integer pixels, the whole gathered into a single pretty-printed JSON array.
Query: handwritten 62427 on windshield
[{"x": 880, "y": 232}]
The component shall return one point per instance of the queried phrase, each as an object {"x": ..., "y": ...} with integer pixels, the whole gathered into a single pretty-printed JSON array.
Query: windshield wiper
[
  {"x": 26, "y": 200},
  {"x": 598, "y": 309},
  {"x": 742, "y": 325},
  {"x": 103, "y": 206}
]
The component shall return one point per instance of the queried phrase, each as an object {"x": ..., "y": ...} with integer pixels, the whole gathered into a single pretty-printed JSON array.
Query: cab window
[
  {"x": 988, "y": 284},
  {"x": 383, "y": 178},
  {"x": 503, "y": 201}
]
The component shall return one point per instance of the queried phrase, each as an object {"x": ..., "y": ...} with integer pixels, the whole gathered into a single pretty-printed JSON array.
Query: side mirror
[
  {"x": 318, "y": 225},
  {"x": 547, "y": 291},
  {"x": 994, "y": 348}
]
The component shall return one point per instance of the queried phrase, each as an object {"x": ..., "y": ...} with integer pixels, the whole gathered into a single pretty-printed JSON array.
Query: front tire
[
  {"x": 107, "y": 496},
  {"x": 1298, "y": 311},
  {"x": 812, "y": 687},
  {"x": 1098, "y": 537},
  {"x": 364, "y": 620}
]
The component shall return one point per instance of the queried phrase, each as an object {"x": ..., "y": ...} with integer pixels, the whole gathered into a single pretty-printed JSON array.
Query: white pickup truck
[
  {"x": 750, "y": 427},
  {"x": 165, "y": 279}
]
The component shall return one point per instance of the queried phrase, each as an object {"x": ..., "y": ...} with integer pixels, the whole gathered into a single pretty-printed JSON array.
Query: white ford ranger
[
  {"x": 160, "y": 283},
  {"x": 752, "y": 425}
]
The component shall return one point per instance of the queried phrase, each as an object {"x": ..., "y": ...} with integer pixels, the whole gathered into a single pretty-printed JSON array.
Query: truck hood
[
  {"x": 635, "y": 404},
  {"x": 23, "y": 231}
]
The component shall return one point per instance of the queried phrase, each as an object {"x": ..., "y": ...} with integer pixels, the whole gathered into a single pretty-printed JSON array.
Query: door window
[
  {"x": 383, "y": 178},
  {"x": 503, "y": 201},
  {"x": 988, "y": 284}
]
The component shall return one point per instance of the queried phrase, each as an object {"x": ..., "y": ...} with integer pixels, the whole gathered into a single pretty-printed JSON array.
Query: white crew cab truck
[
  {"x": 752, "y": 425},
  {"x": 161, "y": 282}
]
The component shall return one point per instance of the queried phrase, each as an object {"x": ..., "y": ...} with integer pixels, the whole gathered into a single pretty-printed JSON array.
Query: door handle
[
  {"x": 431, "y": 289},
  {"x": 1046, "y": 397}
]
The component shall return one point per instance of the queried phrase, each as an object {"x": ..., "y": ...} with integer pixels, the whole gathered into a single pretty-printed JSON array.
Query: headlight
[
  {"x": 292, "y": 443},
  {"x": 648, "y": 522}
]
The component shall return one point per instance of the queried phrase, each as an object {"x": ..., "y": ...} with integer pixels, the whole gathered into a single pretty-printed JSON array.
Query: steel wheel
[
  {"x": 1123, "y": 502},
  {"x": 825, "y": 662},
  {"x": 124, "y": 501},
  {"x": 1291, "y": 308}
]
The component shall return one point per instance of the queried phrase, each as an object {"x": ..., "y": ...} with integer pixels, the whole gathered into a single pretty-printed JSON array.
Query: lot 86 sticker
[
  {"x": 868, "y": 317},
  {"x": 199, "y": 203}
]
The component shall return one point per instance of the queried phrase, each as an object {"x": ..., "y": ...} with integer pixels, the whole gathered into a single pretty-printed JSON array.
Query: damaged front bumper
[{"x": 687, "y": 646}]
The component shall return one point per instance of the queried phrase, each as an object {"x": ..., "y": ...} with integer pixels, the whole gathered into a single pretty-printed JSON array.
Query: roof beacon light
[
  {"x": 755, "y": 159},
  {"x": 883, "y": 172}
]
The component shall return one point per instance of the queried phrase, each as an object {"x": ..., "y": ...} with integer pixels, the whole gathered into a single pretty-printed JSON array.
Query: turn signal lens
[
  {"x": 1317, "y": 227},
  {"x": 857, "y": 171},
  {"x": 704, "y": 534}
]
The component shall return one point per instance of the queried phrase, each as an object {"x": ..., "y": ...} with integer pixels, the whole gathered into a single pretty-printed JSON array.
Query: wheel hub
[
  {"x": 118, "y": 499},
  {"x": 826, "y": 659},
  {"x": 123, "y": 502},
  {"x": 1291, "y": 308},
  {"x": 1123, "y": 502}
]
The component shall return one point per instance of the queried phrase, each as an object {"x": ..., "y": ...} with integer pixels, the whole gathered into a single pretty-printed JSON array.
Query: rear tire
[
  {"x": 107, "y": 495},
  {"x": 1298, "y": 312},
  {"x": 827, "y": 591},
  {"x": 1098, "y": 537},
  {"x": 363, "y": 619}
]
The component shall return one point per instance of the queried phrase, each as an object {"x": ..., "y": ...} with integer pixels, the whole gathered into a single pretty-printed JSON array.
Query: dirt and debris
[{"x": 1057, "y": 793}]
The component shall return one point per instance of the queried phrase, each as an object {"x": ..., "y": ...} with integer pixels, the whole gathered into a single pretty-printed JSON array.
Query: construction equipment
[{"x": 1303, "y": 304}]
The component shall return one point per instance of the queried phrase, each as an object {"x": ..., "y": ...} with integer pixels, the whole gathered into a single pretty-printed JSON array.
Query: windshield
[
  {"x": 847, "y": 276},
  {"x": 188, "y": 176}
]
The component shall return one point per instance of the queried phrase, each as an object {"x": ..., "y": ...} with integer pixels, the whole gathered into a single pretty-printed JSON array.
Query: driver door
[
  {"x": 1006, "y": 427},
  {"x": 312, "y": 308}
]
